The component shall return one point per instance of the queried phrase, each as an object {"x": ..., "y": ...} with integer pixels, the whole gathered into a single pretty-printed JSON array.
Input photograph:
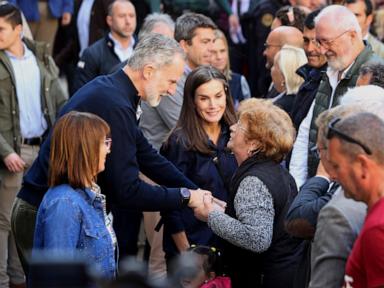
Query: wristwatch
[{"x": 185, "y": 196}]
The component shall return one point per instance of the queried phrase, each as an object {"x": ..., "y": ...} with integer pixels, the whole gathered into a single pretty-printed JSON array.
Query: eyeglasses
[
  {"x": 108, "y": 142},
  {"x": 239, "y": 126},
  {"x": 266, "y": 45},
  {"x": 328, "y": 43},
  {"x": 332, "y": 132},
  {"x": 311, "y": 40}
]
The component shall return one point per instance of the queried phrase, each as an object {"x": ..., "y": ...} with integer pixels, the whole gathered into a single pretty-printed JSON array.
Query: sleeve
[
  {"x": 332, "y": 244},
  {"x": 253, "y": 228},
  {"x": 132, "y": 151},
  {"x": 68, "y": 6},
  {"x": 176, "y": 153},
  {"x": 245, "y": 88},
  {"x": 5, "y": 148},
  {"x": 302, "y": 215},
  {"x": 373, "y": 255},
  {"x": 61, "y": 225},
  {"x": 86, "y": 69}
]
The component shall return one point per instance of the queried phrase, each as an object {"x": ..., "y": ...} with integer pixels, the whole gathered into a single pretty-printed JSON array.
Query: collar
[
  {"x": 123, "y": 78},
  {"x": 116, "y": 43},
  {"x": 334, "y": 73},
  {"x": 27, "y": 53}
]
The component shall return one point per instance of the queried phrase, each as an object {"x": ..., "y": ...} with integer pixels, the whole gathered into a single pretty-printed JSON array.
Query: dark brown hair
[
  {"x": 190, "y": 123},
  {"x": 75, "y": 148}
]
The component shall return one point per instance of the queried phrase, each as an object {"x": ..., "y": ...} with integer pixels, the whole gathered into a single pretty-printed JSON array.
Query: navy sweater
[{"x": 114, "y": 98}]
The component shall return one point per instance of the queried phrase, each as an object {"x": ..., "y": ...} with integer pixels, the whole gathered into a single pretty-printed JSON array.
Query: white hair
[
  {"x": 289, "y": 59},
  {"x": 339, "y": 17},
  {"x": 368, "y": 98}
]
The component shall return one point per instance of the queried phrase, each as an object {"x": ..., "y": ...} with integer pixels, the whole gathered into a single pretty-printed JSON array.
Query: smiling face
[
  {"x": 9, "y": 35},
  {"x": 312, "y": 51},
  {"x": 339, "y": 50},
  {"x": 162, "y": 81},
  {"x": 210, "y": 102}
]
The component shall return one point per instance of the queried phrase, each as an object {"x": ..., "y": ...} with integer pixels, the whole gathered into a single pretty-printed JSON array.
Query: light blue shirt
[
  {"x": 83, "y": 20},
  {"x": 121, "y": 52},
  {"x": 28, "y": 91}
]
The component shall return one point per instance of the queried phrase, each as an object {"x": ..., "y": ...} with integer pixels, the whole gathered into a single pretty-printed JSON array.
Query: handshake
[{"x": 202, "y": 202}]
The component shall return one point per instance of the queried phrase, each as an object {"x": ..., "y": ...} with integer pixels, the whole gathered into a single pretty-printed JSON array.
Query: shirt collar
[
  {"x": 118, "y": 45},
  {"x": 27, "y": 53}
]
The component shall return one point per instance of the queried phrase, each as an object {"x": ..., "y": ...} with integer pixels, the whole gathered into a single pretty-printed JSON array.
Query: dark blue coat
[
  {"x": 114, "y": 98},
  {"x": 209, "y": 172}
]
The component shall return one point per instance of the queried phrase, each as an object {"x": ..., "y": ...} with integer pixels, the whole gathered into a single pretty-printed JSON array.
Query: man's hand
[
  {"x": 197, "y": 197},
  {"x": 66, "y": 18},
  {"x": 14, "y": 163},
  {"x": 201, "y": 212},
  {"x": 234, "y": 23}
]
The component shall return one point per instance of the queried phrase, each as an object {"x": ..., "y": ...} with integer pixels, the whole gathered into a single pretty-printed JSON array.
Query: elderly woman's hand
[{"x": 209, "y": 204}]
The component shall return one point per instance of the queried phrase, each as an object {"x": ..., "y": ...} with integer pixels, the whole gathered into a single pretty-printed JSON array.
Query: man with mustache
[{"x": 339, "y": 38}]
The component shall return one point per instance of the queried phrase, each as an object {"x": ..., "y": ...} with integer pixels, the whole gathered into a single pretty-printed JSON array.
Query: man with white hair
[{"x": 339, "y": 38}]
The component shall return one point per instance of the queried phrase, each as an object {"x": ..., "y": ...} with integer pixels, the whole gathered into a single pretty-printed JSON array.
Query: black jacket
[
  {"x": 275, "y": 267},
  {"x": 307, "y": 92},
  {"x": 98, "y": 59}
]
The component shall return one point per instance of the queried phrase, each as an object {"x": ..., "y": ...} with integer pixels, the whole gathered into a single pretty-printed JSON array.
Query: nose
[
  {"x": 323, "y": 50},
  {"x": 172, "y": 89},
  {"x": 233, "y": 127}
]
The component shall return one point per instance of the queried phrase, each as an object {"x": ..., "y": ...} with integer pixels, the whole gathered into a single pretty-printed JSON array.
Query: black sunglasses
[{"x": 332, "y": 132}]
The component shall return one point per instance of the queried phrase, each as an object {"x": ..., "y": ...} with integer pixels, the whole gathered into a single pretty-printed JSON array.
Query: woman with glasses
[
  {"x": 238, "y": 85},
  {"x": 72, "y": 218},
  {"x": 257, "y": 249},
  {"x": 197, "y": 146}
]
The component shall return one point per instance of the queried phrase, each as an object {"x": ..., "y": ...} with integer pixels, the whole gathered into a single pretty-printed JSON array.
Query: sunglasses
[{"x": 334, "y": 132}]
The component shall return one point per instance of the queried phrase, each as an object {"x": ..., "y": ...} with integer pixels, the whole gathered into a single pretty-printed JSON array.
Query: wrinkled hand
[
  {"x": 197, "y": 197},
  {"x": 14, "y": 163},
  {"x": 234, "y": 23},
  {"x": 210, "y": 204},
  {"x": 66, "y": 18}
]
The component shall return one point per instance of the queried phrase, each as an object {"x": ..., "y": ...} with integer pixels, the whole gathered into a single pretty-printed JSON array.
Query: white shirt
[
  {"x": 83, "y": 20},
  {"x": 298, "y": 167},
  {"x": 121, "y": 52},
  {"x": 28, "y": 92}
]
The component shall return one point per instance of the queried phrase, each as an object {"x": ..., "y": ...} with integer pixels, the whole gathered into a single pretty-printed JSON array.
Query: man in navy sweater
[{"x": 152, "y": 72}]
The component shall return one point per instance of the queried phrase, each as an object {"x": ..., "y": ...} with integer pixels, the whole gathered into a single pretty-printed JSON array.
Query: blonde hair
[{"x": 289, "y": 59}]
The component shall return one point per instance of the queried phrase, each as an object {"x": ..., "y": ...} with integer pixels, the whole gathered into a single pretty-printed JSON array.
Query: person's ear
[
  {"x": 108, "y": 19},
  {"x": 369, "y": 20},
  {"x": 148, "y": 71}
]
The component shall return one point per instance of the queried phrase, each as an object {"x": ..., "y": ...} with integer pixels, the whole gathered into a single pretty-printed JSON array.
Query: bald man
[{"x": 276, "y": 39}]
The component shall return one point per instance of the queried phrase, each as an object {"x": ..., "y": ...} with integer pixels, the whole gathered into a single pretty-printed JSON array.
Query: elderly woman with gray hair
[{"x": 256, "y": 248}]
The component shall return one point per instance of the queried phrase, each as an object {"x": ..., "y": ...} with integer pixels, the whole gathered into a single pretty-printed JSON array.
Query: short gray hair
[
  {"x": 155, "y": 49},
  {"x": 341, "y": 17},
  {"x": 151, "y": 20},
  {"x": 366, "y": 128},
  {"x": 376, "y": 70}
]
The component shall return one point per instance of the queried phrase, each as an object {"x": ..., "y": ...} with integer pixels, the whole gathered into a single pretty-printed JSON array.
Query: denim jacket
[{"x": 72, "y": 221}]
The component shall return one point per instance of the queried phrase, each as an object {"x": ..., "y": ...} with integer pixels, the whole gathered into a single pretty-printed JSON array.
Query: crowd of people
[{"x": 245, "y": 137}]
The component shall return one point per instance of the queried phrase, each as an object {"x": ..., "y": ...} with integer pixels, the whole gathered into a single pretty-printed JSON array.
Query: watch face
[{"x": 185, "y": 193}]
